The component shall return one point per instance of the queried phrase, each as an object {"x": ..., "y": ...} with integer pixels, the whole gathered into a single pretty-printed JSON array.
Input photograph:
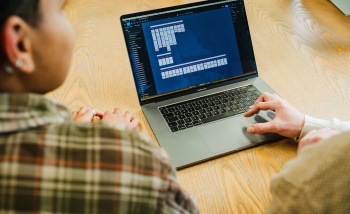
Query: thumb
[{"x": 259, "y": 128}]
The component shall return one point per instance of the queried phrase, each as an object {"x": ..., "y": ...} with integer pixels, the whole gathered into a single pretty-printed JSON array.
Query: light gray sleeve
[{"x": 312, "y": 123}]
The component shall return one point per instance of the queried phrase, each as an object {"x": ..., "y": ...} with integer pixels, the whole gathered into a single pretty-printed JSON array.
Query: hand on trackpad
[{"x": 231, "y": 134}]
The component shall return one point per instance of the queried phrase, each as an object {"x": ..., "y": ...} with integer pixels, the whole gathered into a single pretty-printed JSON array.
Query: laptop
[
  {"x": 343, "y": 5},
  {"x": 195, "y": 75}
]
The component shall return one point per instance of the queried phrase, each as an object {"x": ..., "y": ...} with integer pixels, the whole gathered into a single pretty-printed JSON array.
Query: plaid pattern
[{"x": 51, "y": 165}]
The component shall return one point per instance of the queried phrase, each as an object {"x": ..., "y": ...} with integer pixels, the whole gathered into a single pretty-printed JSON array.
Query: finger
[
  {"x": 133, "y": 124},
  {"x": 270, "y": 105},
  {"x": 308, "y": 136},
  {"x": 117, "y": 111},
  {"x": 252, "y": 111},
  {"x": 127, "y": 116},
  {"x": 85, "y": 117},
  {"x": 74, "y": 113},
  {"x": 265, "y": 97},
  {"x": 95, "y": 112},
  {"x": 325, "y": 133},
  {"x": 107, "y": 113},
  {"x": 82, "y": 110},
  {"x": 99, "y": 114},
  {"x": 260, "y": 128},
  {"x": 307, "y": 140}
]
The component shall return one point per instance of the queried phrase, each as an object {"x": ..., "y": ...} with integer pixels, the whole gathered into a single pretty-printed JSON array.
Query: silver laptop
[
  {"x": 195, "y": 74},
  {"x": 343, "y": 5}
]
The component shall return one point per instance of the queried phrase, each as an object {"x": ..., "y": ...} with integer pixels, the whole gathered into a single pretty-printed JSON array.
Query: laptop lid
[{"x": 184, "y": 49}]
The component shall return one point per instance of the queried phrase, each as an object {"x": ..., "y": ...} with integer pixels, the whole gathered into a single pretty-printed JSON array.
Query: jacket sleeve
[{"x": 312, "y": 123}]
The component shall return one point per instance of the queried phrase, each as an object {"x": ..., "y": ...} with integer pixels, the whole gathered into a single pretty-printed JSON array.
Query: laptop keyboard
[{"x": 209, "y": 108}]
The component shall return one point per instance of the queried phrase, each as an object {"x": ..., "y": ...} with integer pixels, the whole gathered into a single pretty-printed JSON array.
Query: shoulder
[
  {"x": 118, "y": 162},
  {"x": 104, "y": 135}
]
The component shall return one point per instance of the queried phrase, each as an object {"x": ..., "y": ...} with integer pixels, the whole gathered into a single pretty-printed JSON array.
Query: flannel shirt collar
[{"x": 23, "y": 111}]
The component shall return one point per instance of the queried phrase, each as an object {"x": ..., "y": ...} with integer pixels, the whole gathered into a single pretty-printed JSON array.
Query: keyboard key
[
  {"x": 173, "y": 124},
  {"x": 194, "y": 118},
  {"x": 190, "y": 109},
  {"x": 166, "y": 116},
  {"x": 198, "y": 107},
  {"x": 178, "y": 108},
  {"x": 218, "y": 117},
  {"x": 181, "y": 117},
  {"x": 216, "y": 112},
  {"x": 216, "y": 107},
  {"x": 180, "y": 122},
  {"x": 209, "y": 109},
  {"x": 222, "y": 106},
  {"x": 188, "y": 115},
  {"x": 171, "y": 119},
  {"x": 205, "y": 105},
  {"x": 188, "y": 120},
  {"x": 164, "y": 111},
  {"x": 189, "y": 125},
  {"x": 185, "y": 105},
  {"x": 222, "y": 111},
  {"x": 184, "y": 111},
  {"x": 177, "y": 113},
  {"x": 202, "y": 111},
  {"x": 182, "y": 127},
  {"x": 240, "y": 111},
  {"x": 197, "y": 123},
  {"x": 201, "y": 116},
  {"x": 174, "y": 129},
  {"x": 209, "y": 114},
  {"x": 195, "y": 113},
  {"x": 228, "y": 108}
]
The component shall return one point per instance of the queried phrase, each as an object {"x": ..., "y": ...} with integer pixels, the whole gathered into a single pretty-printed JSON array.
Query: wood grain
[{"x": 302, "y": 50}]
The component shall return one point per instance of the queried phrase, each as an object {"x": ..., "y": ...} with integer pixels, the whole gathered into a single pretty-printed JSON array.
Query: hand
[
  {"x": 86, "y": 114},
  {"x": 316, "y": 136},
  {"x": 117, "y": 117},
  {"x": 288, "y": 120}
]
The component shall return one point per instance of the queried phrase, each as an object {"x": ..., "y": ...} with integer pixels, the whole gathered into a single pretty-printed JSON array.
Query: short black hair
[{"x": 28, "y": 10}]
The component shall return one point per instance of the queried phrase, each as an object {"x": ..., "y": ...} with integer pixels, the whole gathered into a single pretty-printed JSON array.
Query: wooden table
[{"x": 302, "y": 49}]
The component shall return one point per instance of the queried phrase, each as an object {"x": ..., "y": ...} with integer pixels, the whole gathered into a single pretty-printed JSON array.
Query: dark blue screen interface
[
  {"x": 191, "y": 50},
  {"x": 187, "y": 48}
]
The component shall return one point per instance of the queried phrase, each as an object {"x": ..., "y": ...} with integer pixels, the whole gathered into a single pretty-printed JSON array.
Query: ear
[{"x": 17, "y": 44}]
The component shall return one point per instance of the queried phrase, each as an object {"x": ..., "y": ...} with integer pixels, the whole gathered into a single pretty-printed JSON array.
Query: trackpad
[{"x": 230, "y": 134}]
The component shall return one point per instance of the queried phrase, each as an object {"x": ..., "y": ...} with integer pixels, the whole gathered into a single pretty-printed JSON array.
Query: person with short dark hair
[{"x": 54, "y": 162}]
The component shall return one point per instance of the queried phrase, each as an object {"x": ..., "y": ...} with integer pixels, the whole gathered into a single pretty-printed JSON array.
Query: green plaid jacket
[{"x": 48, "y": 164}]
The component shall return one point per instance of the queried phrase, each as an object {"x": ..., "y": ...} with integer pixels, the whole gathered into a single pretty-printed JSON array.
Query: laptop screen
[{"x": 190, "y": 46}]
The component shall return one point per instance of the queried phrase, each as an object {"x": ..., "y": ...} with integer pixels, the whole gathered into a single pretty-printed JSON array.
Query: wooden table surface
[{"x": 302, "y": 50}]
